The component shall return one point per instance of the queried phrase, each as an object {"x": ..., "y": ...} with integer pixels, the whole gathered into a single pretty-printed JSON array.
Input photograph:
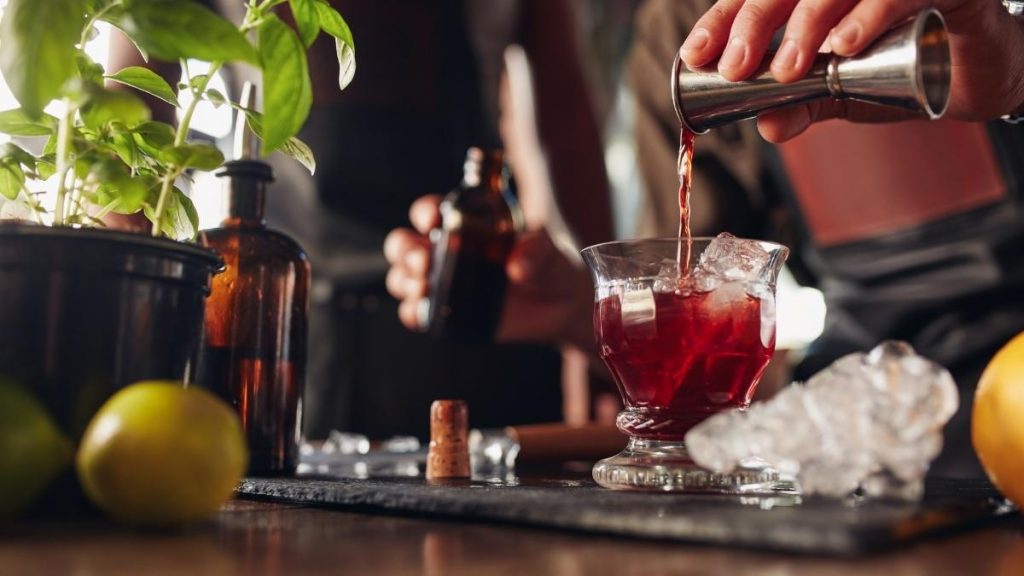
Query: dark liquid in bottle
[
  {"x": 265, "y": 391},
  {"x": 467, "y": 276}
]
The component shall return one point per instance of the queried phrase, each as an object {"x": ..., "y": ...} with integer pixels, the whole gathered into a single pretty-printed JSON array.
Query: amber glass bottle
[
  {"x": 479, "y": 223},
  {"x": 254, "y": 352}
]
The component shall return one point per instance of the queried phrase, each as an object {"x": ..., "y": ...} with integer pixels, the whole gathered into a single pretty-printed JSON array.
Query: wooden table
[{"x": 250, "y": 537}]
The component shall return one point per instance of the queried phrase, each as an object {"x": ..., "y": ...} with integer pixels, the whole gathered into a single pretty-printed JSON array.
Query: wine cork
[{"x": 448, "y": 456}]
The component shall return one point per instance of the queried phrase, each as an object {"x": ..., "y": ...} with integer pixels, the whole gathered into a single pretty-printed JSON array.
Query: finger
[
  {"x": 807, "y": 30},
  {"x": 408, "y": 313},
  {"x": 403, "y": 285},
  {"x": 752, "y": 30},
  {"x": 868, "y": 20},
  {"x": 425, "y": 214},
  {"x": 786, "y": 123},
  {"x": 402, "y": 242},
  {"x": 710, "y": 34}
]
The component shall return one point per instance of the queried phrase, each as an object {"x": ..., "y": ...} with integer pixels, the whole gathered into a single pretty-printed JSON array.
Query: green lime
[
  {"x": 160, "y": 454},
  {"x": 33, "y": 451}
]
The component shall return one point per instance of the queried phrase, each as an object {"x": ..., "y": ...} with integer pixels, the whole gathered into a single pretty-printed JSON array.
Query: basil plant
[{"x": 101, "y": 145}]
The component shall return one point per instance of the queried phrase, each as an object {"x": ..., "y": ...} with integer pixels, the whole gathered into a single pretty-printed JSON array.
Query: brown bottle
[
  {"x": 479, "y": 223},
  {"x": 254, "y": 350}
]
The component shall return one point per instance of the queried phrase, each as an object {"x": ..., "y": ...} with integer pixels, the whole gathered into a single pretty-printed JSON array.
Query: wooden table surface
[{"x": 250, "y": 537}]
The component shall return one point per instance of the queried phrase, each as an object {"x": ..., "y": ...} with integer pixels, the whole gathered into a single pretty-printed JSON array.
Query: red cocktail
[{"x": 682, "y": 342}]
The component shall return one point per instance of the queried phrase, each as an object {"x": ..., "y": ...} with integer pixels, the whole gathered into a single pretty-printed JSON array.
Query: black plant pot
[{"x": 86, "y": 312}]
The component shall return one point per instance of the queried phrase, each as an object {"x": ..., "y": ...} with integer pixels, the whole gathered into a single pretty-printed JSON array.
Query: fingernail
[
  {"x": 847, "y": 33},
  {"x": 786, "y": 58},
  {"x": 697, "y": 40},
  {"x": 735, "y": 54}
]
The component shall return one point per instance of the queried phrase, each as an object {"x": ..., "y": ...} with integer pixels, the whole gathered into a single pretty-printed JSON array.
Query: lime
[
  {"x": 997, "y": 423},
  {"x": 160, "y": 454},
  {"x": 33, "y": 451}
]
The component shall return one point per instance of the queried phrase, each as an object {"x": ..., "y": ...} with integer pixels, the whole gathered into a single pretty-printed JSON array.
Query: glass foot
[{"x": 664, "y": 466}]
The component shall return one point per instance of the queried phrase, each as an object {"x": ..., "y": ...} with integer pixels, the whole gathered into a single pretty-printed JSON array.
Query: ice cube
[
  {"x": 639, "y": 311},
  {"x": 731, "y": 258},
  {"x": 871, "y": 422},
  {"x": 668, "y": 279}
]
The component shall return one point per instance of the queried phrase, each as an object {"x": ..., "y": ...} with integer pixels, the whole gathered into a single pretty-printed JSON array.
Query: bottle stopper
[{"x": 448, "y": 456}]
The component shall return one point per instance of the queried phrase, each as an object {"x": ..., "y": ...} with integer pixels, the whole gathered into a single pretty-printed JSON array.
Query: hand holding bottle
[
  {"x": 985, "y": 44},
  {"x": 548, "y": 298}
]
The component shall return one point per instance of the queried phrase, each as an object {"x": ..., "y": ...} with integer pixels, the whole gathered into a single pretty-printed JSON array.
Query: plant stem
[
  {"x": 167, "y": 183},
  {"x": 63, "y": 158}
]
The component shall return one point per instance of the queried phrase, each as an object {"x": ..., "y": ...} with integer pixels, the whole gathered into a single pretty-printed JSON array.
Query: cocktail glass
[{"x": 681, "y": 347}]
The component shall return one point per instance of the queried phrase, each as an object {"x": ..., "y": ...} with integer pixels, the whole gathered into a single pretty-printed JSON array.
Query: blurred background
[{"x": 604, "y": 35}]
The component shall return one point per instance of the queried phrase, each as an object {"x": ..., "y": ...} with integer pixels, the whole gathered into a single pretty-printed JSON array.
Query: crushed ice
[{"x": 869, "y": 422}]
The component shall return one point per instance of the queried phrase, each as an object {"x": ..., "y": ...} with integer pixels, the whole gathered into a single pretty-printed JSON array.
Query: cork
[{"x": 448, "y": 456}]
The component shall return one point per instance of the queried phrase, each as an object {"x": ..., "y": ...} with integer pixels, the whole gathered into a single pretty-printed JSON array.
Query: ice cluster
[{"x": 869, "y": 422}]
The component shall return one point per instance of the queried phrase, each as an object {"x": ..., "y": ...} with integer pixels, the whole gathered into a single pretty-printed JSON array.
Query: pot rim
[{"x": 207, "y": 255}]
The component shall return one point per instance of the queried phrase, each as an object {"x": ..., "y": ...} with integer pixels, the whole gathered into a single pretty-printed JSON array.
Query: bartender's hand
[
  {"x": 549, "y": 298},
  {"x": 986, "y": 45}
]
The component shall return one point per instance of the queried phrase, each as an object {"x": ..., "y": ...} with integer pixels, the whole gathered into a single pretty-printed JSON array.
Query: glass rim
[{"x": 768, "y": 244}]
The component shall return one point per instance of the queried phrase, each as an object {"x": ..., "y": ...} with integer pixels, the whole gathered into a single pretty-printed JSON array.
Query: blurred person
[
  {"x": 911, "y": 229},
  {"x": 426, "y": 89}
]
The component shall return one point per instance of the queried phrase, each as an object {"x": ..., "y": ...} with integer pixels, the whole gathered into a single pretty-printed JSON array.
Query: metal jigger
[{"x": 908, "y": 67}]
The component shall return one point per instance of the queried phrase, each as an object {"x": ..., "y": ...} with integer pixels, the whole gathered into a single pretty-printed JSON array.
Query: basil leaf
[
  {"x": 215, "y": 97},
  {"x": 200, "y": 156},
  {"x": 173, "y": 29},
  {"x": 332, "y": 23},
  {"x": 11, "y": 179},
  {"x": 46, "y": 166},
  {"x": 37, "y": 55},
  {"x": 287, "y": 92},
  {"x": 147, "y": 81},
  {"x": 152, "y": 137},
  {"x": 16, "y": 123},
  {"x": 293, "y": 147},
  {"x": 89, "y": 70},
  {"x": 180, "y": 220},
  {"x": 106, "y": 106},
  {"x": 307, "y": 19},
  {"x": 18, "y": 154}
]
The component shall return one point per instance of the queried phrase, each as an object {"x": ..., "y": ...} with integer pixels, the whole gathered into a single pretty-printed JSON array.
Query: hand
[
  {"x": 549, "y": 297},
  {"x": 985, "y": 45}
]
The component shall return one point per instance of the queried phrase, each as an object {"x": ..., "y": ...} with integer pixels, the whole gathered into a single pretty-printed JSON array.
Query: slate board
[{"x": 808, "y": 525}]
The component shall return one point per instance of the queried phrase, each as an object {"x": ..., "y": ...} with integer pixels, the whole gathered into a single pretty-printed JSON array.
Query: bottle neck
[
  {"x": 245, "y": 192},
  {"x": 487, "y": 172},
  {"x": 245, "y": 202}
]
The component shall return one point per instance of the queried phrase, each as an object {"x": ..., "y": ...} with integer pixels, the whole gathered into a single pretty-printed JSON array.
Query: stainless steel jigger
[{"x": 908, "y": 67}]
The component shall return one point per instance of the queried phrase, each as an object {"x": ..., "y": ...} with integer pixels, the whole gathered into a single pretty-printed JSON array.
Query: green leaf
[
  {"x": 46, "y": 166},
  {"x": 89, "y": 70},
  {"x": 18, "y": 155},
  {"x": 37, "y": 55},
  {"x": 307, "y": 19},
  {"x": 293, "y": 147},
  {"x": 12, "y": 178},
  {"x": 106, "y": 106},
  {"x": 332, "y": 23},
  {"x": 126, "y": 194},
  {"x": 180, "y": 220},
  {"x": 152, "y": 137},
  {"x": 16, "y": 123},
  {"x": 216, "y": 98},
  {"x": 174, "y": 29},
  {"x": 200, "y": 156},
  {"x": 147, "y": 81},
  {"x": 287, "y": 92}
]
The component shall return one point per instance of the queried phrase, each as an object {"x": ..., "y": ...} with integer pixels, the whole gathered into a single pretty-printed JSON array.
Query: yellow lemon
[
  {"x": 33, "y": 451},
  {"x": 160, "y": 454},
  {"x": 997, "y": 423}
]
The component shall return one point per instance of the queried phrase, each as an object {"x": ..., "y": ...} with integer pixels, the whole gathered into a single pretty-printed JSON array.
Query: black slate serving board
[{"x": 784, "y": 523}]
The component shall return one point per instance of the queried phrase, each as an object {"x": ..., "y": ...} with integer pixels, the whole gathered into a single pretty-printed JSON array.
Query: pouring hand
[{"x": 985, "y": 44}]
